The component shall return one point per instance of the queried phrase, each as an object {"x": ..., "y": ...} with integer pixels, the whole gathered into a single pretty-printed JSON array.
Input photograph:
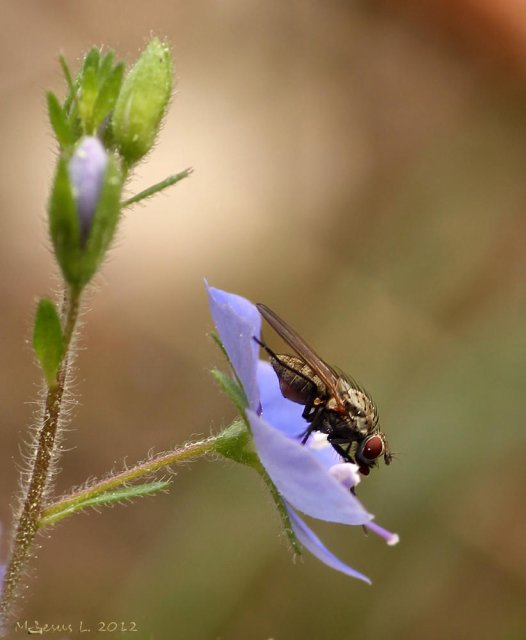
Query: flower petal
[
  {"x": 302, "y": 479},
  {"x": 278, "y": 411},
  {"x": 237, "y": 320},
  {"x": 310, "y": 541}
]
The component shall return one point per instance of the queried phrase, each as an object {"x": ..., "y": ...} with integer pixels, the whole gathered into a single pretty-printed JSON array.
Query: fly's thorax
[
  {"x": 297, "y": 381},
  {"x": 360, "y": 407}
]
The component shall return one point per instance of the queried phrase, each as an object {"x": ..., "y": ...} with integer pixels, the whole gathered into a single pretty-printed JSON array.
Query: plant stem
[
  {"x": 193, "y": 450},
  {"x": 42, "y": 464}
]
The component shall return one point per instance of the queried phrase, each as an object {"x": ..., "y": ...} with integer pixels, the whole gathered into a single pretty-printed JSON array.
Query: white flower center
[{"x": 346, "y": 473}]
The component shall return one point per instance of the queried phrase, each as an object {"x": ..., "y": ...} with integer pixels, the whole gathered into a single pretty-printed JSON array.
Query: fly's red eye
[{"x": 373, "y": 447}]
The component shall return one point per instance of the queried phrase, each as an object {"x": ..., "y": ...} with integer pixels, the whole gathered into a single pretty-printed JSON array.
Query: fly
[{"x": 334, "y": 403}]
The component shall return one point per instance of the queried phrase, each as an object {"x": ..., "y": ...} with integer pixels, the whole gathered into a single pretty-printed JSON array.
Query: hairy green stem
[
  {"x": 188, "y": 452},
  {"x": 42, "y": 464}
]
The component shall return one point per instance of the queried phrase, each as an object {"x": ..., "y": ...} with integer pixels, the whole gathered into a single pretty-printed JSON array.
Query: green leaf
[
  {"x": 64, "y": 225},
  {"x": 48, "y": 340},
  {"x": 59, "y": 122},
  {"x": 107, "y": 499},
  {"x": 156, "y": 188}
]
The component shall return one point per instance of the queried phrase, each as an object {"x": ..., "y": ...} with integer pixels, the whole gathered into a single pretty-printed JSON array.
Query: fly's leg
[
  {"x": 315, "y": 417},
  {"x": 343, "y": 451}
]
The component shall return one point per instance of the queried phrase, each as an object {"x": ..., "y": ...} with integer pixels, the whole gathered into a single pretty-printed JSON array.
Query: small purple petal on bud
[{"x": 87, "y": 169}]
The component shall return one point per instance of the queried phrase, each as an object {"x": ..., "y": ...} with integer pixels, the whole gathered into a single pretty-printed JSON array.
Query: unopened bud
[
  {"x": 142, "y": 102},
  {"x": 87, "y": 168}
]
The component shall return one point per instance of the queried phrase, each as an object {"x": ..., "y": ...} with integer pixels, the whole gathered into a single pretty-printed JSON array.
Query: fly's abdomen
[{"x": 297, "y": 381}]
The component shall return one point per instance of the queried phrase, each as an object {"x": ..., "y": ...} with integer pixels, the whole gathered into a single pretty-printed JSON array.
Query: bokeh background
[{"x": 360, "y": 167}]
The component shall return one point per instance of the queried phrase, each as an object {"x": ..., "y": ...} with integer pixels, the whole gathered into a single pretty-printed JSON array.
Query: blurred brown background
[{"x": 360, "y": 167}]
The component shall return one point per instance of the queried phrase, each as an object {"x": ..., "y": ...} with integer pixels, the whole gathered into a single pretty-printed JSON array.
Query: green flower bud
[
  {"x": 142, "y": 102},
  {"x": 84, "y": 209}
]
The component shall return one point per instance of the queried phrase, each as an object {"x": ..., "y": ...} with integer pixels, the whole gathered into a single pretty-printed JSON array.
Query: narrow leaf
[
  {"x": 107, "y": 499},
  {"x": 156, "y": 188},
  {"x": 48, "y": 341},
  {"x": 59, "y": 121}
]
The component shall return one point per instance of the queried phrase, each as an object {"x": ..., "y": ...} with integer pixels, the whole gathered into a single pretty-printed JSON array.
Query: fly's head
[{"x": 370, "y": 450}]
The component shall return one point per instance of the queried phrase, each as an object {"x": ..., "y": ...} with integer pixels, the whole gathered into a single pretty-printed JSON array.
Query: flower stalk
[
  {"x": 43, "y": 462},
  {"x": 161, "y": 461}
]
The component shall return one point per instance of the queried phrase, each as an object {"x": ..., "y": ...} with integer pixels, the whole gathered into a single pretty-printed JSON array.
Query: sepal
[{"x": 59, "y": 122}]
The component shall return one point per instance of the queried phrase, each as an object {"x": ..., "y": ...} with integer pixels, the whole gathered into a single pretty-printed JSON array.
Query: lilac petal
[
  {"x": 301, "y": 479},
  {"x": 310, "y": 541},
  {"x": 237, "y": 320},
  {"x": 278, "y": 411},
  {"x": 87, "y": 168}
]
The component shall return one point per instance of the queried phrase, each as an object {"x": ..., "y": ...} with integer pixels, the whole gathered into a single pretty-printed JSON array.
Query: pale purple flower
[
  {"x": 311, "y": 478},
  {"x": 87, "y": 169}
]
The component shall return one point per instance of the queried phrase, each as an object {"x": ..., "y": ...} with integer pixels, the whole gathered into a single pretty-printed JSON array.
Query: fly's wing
[{"x": 327, "y": 374}]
